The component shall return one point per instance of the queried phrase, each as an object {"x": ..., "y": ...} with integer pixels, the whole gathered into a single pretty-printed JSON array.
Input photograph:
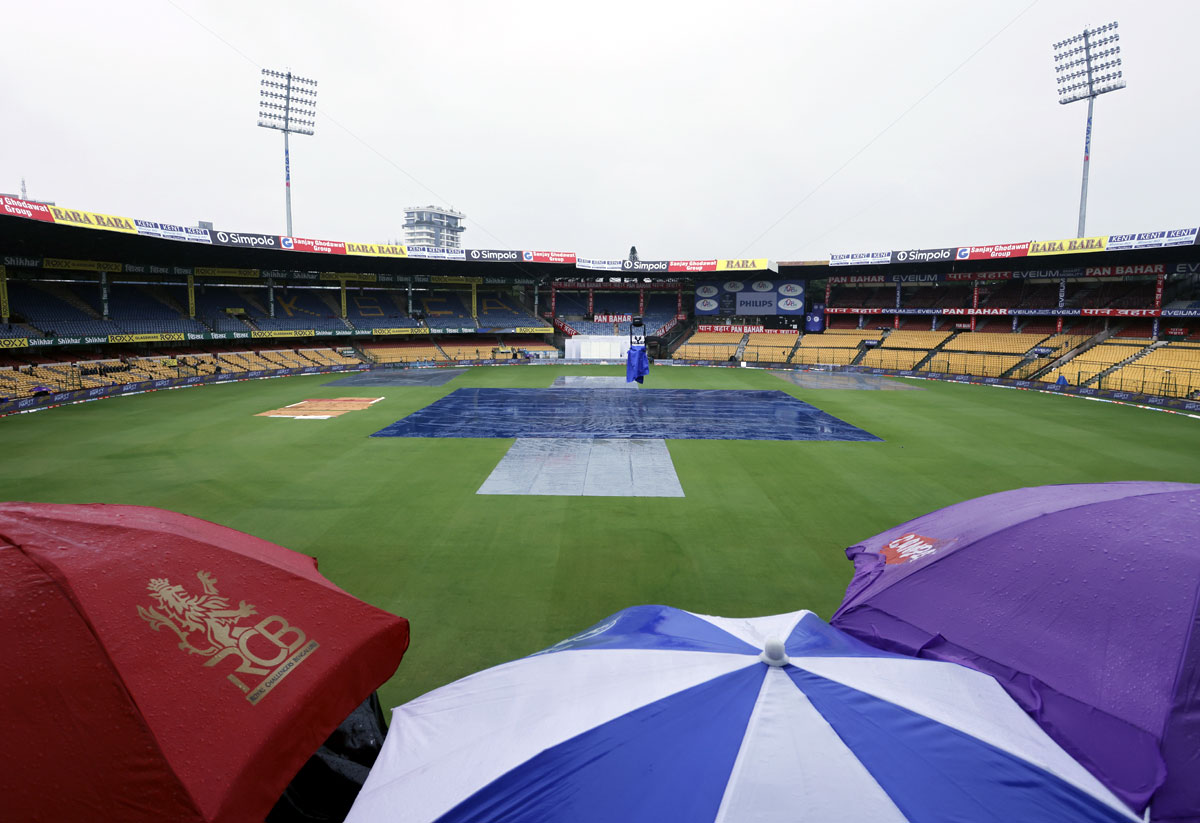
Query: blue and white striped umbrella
[{"x": 657, "y": 714}]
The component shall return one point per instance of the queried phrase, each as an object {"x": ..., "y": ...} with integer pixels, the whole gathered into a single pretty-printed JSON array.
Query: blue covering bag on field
[{"x": 637, "y": 364}]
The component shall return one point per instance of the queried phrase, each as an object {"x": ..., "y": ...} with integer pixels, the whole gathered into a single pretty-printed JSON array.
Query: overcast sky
[{"x": 691, "y": 129}]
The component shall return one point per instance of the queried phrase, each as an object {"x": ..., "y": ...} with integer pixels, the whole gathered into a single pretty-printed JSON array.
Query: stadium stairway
[
  {"x": 67, "y": 296},
  {"x": 923, "y": 362},
  {"x": 863, "y": 348},
  {"x": 1139, "y": 354},
  {"x": 1095, "y": 339},
  {"x": 159, "y": 294},
  {"x": 795, "y": 346},
  {"x": 253, "y": 302},
  {"x": 741, "y": 349},
  {"x": 334, "y": 304}
]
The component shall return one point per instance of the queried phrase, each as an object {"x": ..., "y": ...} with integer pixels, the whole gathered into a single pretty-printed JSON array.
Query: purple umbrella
[{"x": 1082, "y": 601}]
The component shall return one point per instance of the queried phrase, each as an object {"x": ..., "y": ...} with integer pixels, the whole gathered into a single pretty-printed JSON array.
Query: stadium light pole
[
  {"x": 1087, "y": 66},
  {"x": 288, "y": 103}
]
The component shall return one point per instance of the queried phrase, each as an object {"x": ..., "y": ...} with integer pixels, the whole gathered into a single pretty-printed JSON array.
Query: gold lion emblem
[
  {"x": 207, "y": 625},
  {"x": 207, "y": 615}
]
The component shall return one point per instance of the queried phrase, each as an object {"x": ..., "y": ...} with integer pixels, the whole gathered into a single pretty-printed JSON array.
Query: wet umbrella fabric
[
  {"x": 160, "y": 667},
  {"x": 659, "y": 714},
  {"x": 1082, "y": 601}
]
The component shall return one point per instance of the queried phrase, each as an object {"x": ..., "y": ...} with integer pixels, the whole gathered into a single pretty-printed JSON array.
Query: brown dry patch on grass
[{"x": 322, "y": 407}]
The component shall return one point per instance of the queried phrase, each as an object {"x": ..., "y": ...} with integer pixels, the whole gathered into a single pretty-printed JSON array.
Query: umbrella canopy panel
[
  {"x": 170, "y": 668},
  {"x": 659, "y": 714},
  {"x": 1081, "y": 600}
]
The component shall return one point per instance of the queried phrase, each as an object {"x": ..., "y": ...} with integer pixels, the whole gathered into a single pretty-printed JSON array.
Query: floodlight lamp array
[
  {"x": 287, "y": 75},
  {"x": 1090, "y": 36},
  {"x": 295, "y": 111}
]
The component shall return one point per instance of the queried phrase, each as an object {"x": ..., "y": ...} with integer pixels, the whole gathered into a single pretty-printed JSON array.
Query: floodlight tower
[
  {"x": 1087, "y": 66},
  {"x": 287, "y": 103}
]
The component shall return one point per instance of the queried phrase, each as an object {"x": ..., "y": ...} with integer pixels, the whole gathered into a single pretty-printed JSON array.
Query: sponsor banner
[
  {"x": 1073, "y": 245},
  {"x": 220, "y": 335},
  {"x": 566, "y": 257},
  {"x": 613, "y": 318},
  {"x": 752, "y": 302},
  {"x": 284, "y": 333},
  {"x": 67, "y": 341},
  {"x": 93, "y": 220},
  {"x": 16, "y": 207},
  {"x": 22, "y": 262},
  {"x": 966, "y": 311},
  {"x": 169, "y": 231},
  {"x": 861, "y": 258},
  {"x": 421, "y": 330},
  {"x": 1120, "y": 312},
  {"x": 245, "y": 240},
  {"x": 1180, "y": 313},
  {"x": 755, "y": 297},
  {"x": 923, "y": 255},
  {"x": 436, "y": 253},
  {"x": 209, "y": 271},
  {"x": 533, "y": 330},
  {"x": 994, "y": 252},
  {"x": 376, "y": 249},
  {"x": 1182, "y": 237},
  {"x": 877, "y": 279},
  {"x": 455, "y": 279},
  {"x": 815, "y": 320},
  {"x": 843, "y": 279},
  {"x": 598, "y": 265},
  {"x": 1124, "y": 271},
  {"x": 310, "y": 245},
  {"x": 646, "y": 266},
  {"x": 755, "y": 264},
  {"x": 973, "y": 276},
  {"x": 138, "y": 268},
  {"x": 493, "y": 256},
  {"x": 564, "y": 327},
  {"x": 165, "y": 337},
  {"x": 692, "y": 265},
  {"x": 1178, "y": 268},
  {"x": 1176, "y": 331},
  {"x": 731, "y": 329},
  {"x": 1152, "y": 239},
  {"x": 1047, "y": 274},
  {"x": 80, "y": 265},
  {"x": 361, "y": 277},
  {"x": 743, "y": 329},
  {"x": 975, "y": 312},
  {"x": 14, "y": 342}
]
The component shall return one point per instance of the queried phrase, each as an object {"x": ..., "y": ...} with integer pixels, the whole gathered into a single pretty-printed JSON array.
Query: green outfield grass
[{"x": 485, "y": 579}]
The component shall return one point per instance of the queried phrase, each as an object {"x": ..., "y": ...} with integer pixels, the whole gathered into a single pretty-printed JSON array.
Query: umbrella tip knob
[{"x": 773, "y": 653}]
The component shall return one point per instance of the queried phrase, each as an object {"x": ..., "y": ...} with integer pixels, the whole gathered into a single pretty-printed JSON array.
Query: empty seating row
[
  {"x": 903, "y": 339},
  {"x": 998, "y": 342}
]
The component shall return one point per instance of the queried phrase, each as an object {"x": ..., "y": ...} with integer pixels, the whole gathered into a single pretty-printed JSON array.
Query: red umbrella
[{"x": 159, "y": 667}]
